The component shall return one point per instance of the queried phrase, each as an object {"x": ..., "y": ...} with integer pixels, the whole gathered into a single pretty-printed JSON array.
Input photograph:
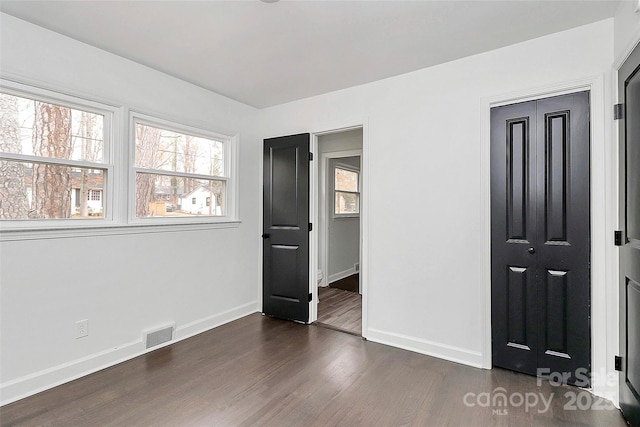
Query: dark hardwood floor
[
  {"x": 340, "y": 309},
  {"x": 349, "y": 283},
  {"x": 259, "y": 371}
]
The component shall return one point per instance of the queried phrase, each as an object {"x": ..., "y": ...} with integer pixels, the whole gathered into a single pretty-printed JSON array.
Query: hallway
[{"x": 339, "y": 308}]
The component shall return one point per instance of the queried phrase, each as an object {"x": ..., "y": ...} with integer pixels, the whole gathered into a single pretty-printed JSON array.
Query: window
[
  {"x": 64, "y": 167},
  {"x": 184, "y": 167},
  {"x": 53, "y": 157},
  {"x": 347, "y": 191}
]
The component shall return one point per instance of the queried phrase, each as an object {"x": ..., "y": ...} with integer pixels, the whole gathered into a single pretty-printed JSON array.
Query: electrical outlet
[{"x": 82, "y": 328}]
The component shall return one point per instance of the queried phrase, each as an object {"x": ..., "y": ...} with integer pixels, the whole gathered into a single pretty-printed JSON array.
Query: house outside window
[
  {"x": 62, "y": 158},
  {"x": 179, "y": 166}
]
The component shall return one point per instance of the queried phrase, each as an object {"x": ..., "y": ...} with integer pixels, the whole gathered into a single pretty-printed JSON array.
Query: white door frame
[
  {"x": 603, "y": 217},
  {"x": 364, "y": 217}
]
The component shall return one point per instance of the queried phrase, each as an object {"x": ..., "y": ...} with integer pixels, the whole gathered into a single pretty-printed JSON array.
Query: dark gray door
[
  {"x": 629, "y": 94},
  {"x": 540, "y": 237},
  {"x": 285, "y": 279}
]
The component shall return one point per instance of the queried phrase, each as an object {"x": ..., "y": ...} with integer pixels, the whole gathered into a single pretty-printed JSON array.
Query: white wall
[
  {"x": 343, "y": 233},
  {"x": 122, "y": 283},
  {"x": 424, "y": 264},
  {"x": 627, "y": 29},
  {"x": 340, "y": 141}
]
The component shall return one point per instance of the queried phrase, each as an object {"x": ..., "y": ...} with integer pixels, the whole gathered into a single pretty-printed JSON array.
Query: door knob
[
  {"x": 531, "y": 250},
  {"x": 266, "y": 235}
]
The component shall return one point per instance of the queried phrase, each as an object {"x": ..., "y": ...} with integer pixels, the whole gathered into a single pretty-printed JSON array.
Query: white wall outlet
[{"x": 82, "y": 328}]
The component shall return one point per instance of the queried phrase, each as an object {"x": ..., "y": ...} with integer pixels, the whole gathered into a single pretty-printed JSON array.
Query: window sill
[
  {"x": 346, "y": 216},
  {"x": 7, "y": 235}
]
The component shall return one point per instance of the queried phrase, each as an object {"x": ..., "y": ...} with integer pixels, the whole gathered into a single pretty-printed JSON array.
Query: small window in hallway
[{"x": 347, "y": 192}]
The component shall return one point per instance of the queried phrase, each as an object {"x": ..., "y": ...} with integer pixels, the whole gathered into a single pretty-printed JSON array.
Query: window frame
[
  {"x": 230, "y": 161},
  {"x": 118, "y": 163},
  {"x": 108, "y": 164},
  {"x": 347, "y": 168}
]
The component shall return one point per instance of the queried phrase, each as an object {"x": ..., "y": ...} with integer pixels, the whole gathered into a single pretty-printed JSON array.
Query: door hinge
[
  {"x": 310, "y": 297},
  {"x": 310, "y": 156},
  {"x": 618, "y": 363},
  {"x": 617, "y": 238},
  {"x": 618, "y": 111},
  {"x": 310, "y": 227}
]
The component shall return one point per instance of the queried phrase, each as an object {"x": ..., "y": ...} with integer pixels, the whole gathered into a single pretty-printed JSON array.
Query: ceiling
[{"x": 264, "y": 54}]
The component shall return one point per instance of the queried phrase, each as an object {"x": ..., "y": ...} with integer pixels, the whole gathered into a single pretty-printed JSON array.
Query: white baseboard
[
  {"x": 19, "y": 388},
  {"x": 429, "y": 348},
  {"x": 202, "y": 325},
  {"x": 341, "y": 275}
]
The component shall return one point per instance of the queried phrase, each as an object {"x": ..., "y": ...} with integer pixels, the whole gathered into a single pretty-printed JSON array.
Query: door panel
[
  {"x": 555, "y": 310},
  {"x": 517, "y": 185},
  {"x": 284, "y": 197},
  {"x": 556, "y": 160},
  {"x": 540, "y": 235},
  {"x": 517, "y": 307},
  {"x": 284, "y": 261},
  {"x": 632, "y": 163},
  {"x": 633, "y": 336},
  {"x": 285, "y": 228},
  {"x": 513, "y": 229},
  {"x": 563, "y": 246},
  {"x": 629, "y": 127}
]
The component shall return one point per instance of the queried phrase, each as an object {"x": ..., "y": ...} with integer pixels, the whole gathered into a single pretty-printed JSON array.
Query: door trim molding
[
  {"x": 358, "y": 123},
  {"x": 603, "y": 217}
]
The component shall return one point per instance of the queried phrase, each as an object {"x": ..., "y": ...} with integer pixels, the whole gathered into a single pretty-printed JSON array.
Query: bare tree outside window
[
  {"x": 37, "y": 138},
  {"x": 55, "y": 161},
  {"x": 13, "y": 191},
  {"x": 178, "y": 174},
  {"x": 147, "y": 155},
  {"x": 51, "y": 138}
]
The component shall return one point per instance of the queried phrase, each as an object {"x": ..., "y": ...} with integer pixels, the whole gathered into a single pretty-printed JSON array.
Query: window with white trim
[
  {"x": 181, "y": 167},
  {"x": 347, "y": 191},
  {"x": 62, "y": 164},
  {"x": 54, "y": 154}
]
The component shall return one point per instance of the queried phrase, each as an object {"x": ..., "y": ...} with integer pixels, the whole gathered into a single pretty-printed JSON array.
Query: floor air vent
[{"x": 158, "y": 336}]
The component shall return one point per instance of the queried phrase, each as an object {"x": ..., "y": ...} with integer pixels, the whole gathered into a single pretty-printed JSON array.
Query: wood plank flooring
[
  {"x": 340, "y": 309},
  {"x": 349, "y": 283},
  {"x": 259, "y": 371}
]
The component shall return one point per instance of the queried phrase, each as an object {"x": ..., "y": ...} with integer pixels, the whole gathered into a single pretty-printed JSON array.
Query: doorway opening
[{"x": 338, "y": 286}]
